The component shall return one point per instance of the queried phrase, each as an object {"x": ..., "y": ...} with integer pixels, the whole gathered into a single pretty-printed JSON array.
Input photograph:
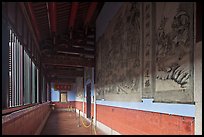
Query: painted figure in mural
[
  {"x": 79, "y": 90},
  {"x": 134, "y": 16},
  {"x": 174, "y": 44},
  {"x": 120, "y": 56}
]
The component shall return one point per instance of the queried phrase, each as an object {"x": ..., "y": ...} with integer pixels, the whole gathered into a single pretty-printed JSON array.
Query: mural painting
[
  {"x": 174, "y": 47},
  {"x": 146, "y": 53},
  {"x": 79, "y": 89},
  {"x": 118, "y": 65}
]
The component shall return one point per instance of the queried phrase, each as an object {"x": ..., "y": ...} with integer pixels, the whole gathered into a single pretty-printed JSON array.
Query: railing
[
  {"x": 93, "y": 127},
  {"x": 25, "y": 121},
  {"x": 14, "y": 109}
]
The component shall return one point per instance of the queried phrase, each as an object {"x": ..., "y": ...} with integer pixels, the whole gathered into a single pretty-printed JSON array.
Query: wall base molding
[{"x": 107, "y": 130}]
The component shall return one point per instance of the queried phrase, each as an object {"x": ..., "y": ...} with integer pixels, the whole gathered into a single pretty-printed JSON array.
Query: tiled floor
[{"x": 66, "y": 123}]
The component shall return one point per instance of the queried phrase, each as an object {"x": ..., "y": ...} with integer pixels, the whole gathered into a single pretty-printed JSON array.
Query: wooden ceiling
[{"x": 66, "y": 35}]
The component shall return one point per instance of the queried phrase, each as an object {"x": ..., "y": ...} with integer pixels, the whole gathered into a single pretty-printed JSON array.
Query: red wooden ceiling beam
[
  {"x": 74, "y": 9},
  {"x": 90, "y": 13},
  {"x": 52, "y": 16},
  {"x": 34, "y": 23}
]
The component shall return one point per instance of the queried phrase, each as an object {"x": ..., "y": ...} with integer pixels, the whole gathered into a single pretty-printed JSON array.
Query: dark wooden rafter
[
  {"x": 26, "y": 15},
  {"x": 83, "y": 45},
  {"x": 52, "y": 21},
  {"x": 69, "y": 61},
  {"x": 52, "y": 16},
  {"x": 62, "y": 68},
  {"x": 41, "y": 13},
  {"x": 49, "y": 18},
  {"x": 73, "y": 50},
  {"x": 62, "y": 80},
  {"x": 33, "y": 19},
  {"x": 66, "y": 73}
]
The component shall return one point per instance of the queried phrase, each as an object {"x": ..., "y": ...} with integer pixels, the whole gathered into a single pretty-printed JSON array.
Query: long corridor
[
  {"x": 101, "y": 68},
  {"x": 61, "y": 122}
]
